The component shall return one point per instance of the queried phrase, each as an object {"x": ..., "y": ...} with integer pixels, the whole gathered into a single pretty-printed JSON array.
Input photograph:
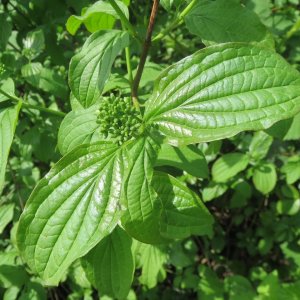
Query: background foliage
[{"x": 249, "y": 182}]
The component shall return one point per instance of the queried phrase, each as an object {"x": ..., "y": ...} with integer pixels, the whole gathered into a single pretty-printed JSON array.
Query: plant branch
[
  {"x": 124, "y": 19},
  {"x": 147, "y": 44},
  {"x": 176, "y": 23},
  {"x": 30, "y": 106}
]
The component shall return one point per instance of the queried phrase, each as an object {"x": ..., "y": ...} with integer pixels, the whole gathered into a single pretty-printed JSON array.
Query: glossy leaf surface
[
  {"x": 183, "y": 212},
  {"x": 224, "y": 21},
  {"x": 90, "y": 68},
  {"x": 222, "y": 90},
  {"x": 71, "y": 209},
  {"x": 110, "y": 264},
  {"x": 141, "y": 219},
  {"x": 186, "y": 158},
  {"x": 77, "y": 128}
]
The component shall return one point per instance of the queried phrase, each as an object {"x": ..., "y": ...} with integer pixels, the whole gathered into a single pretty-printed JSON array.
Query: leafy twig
[
  {"x": 176, "y": 23},
  {"x": 30, "y": 106},
  {"x": 144, "y": 54},
  {"x": 124, "y": 19}
]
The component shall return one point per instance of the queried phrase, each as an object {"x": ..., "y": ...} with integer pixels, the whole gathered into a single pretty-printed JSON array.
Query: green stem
[
  {"x": 176, "y": 23},
  {"x": 293, "y": 30},
  {"x": 30, "y": 106},
  {"x": 124, "y": 19}
]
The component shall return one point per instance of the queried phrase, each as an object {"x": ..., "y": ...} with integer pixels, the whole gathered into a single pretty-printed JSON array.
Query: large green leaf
[
  {"x": 159, "y": 207},
  {"x": 222, "y": 90},
  {"x": 141, "y": 219},
  {"x": 101, "y": 15},
  {"x": 71, "y": 209},
  {"x": 183, "y": 212},
  {"x": 8, "y": 121},
  {"x": 77, "y": 128},
  {"x": 90, "y": 68},
  {"x": 224, "y": 21},
  {"x": 110, "y": 265}
]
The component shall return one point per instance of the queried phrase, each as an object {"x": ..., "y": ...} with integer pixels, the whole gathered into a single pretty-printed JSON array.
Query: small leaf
[
  {"x": 8, "y": 122},
  {"x": 224, "y": 21},
  {"x": 110, "y": 265},
  {"x": 151, "y": 260},
  {"x": 186, "y": 158},
  {"x": 34, "y": 44},
  {"x": 265, "y": 178},
  {"x": 213, "y": 191},
  {"x": 6, "y": 215},
  {"x": 260, "y": 145},
  {"x": 71, "y": 209},
  {"x": 90, "y": 68},
  {"x": 229, "y": 165},
  {"x": 77, "y": 128},
  {"x": 222, "y": 90},
  {"x": 292, "y": 169},
  {"x": 31, "y": 73},
  {"x": 101, "y": 15}
]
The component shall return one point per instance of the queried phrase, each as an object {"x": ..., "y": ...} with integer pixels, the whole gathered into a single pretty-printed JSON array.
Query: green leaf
[
  {"x": 34, "y": 44},
  {"x": 31, "y": 73},
  {"x": 90, "y": 68},
  {"x": 287, "y": 130},
  {"x": 5, "y": 32},
  {"x": 6, "y": 215},
  {"x": 77, "y": 128},
  {"x": 239, "y": 288},
  {"x": 224, "y": 21},
  {"x": 265, "y": 178},
  {"x": 186, "y": 158},
  {"x": 210, "y": 286},
  {"x": 71, "y": 209},
  {"x": 141, "y": 219},
  {"x": 151, "y": 260},
  {"x": 213, "y": 191},
  {"x": 8, "y": 122},
  {"x": 222, "y": 90},
  {"x": 260, "y": 145},
  {"x": 229, "y": 165},
  {"x": 8, "y": 86},
  {"x": 288, "y": 206},
  {"x": 101, "y": 15},
  {"x": 183, "y": 212},
  {"x": 53, "y": 83},
  {"x": 110, "y": 265},
  {"x": 292, "y": 169},
  {"x": 242, "y": 192},
  {"x": 159, "y": 207},
  {"x": 291, "y": 251}
]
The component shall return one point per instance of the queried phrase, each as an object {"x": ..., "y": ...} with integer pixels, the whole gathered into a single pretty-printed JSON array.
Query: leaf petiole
[{"x": 176, "y": 23}]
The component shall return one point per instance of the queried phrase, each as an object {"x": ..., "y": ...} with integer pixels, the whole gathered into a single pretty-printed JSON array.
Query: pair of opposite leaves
[{"x": 215, "y": 93}]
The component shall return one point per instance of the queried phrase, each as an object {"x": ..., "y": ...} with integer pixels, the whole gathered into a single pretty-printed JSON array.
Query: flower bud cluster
[{"x": 118, "y": 119}]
